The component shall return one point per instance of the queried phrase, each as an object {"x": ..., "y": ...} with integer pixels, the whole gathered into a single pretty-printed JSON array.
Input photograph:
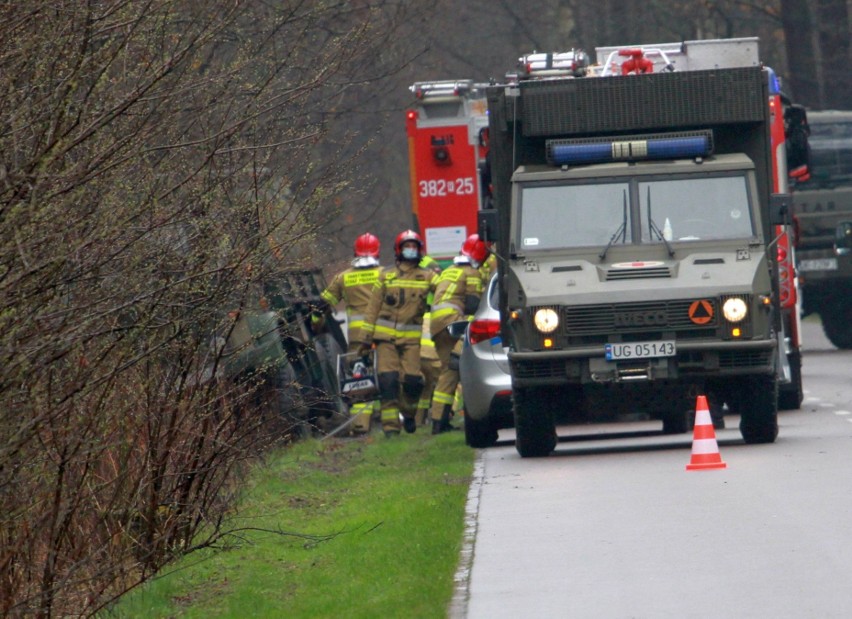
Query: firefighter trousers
[
  {"x": 431, "y": 369},
  {"x": 362, "y": 411},
  {"x": 400, "y": 380},
  {"x": 447, "y": 347}
]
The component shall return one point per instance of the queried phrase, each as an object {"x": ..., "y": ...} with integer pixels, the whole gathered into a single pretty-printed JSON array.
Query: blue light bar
[
  {"x": 630, "y": 148},
  {"x": 774, "y": 84}
]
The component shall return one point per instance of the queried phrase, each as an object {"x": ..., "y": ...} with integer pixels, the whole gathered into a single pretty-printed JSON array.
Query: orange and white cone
[{"x": 705, "y": 450}]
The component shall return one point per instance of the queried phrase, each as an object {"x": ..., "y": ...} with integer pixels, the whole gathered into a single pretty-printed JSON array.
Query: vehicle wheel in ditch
[
  {"x": 790, "y": 394},
  {"x": 835, "y": 325},
  {"x": 534, "y": 421},
  {"x": 480, "y": 433},
  {"x": 759, "y": 416}
]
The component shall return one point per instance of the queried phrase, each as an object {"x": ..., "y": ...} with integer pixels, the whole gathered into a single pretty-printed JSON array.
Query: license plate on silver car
[
  {"x": 818, "y": 264},
  {"x": 639, "y": 350}
]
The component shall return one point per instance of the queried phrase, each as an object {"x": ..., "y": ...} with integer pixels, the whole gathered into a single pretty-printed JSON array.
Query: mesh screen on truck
[{"x": 696, "y": 98}]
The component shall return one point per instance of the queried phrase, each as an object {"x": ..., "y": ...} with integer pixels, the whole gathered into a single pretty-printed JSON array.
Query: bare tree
[
  {"x": 832, "y": 42},
  {"x": 159, "y": 160}
]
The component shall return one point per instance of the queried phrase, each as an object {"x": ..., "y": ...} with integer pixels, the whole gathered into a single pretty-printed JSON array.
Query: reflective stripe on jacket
[{"x": 398, "y": 302}]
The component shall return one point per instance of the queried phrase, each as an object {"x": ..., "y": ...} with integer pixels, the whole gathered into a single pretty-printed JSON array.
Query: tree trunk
[
  {"x": 833, "y": 40},
  {"x": 802, "y": 83}
]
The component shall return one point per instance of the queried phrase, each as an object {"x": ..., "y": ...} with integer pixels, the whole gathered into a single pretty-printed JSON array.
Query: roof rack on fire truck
[
  {"x": 678, "y": 56},
  {"x": 553, "y": 64},
  {"x": 444, "y": 90}
]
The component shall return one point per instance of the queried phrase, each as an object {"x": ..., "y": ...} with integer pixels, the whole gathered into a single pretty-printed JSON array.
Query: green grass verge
[{"x": 388, "y": 516}]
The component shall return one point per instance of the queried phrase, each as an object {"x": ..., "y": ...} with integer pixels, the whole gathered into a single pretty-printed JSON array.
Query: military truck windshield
[
  {"x": 685, "y": 209},
  {"x": 557, "y": 216},
  {"x": 694, "y": 209}
]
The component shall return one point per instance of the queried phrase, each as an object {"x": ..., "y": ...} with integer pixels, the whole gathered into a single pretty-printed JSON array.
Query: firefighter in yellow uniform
[
  {"x": 488, "y": 268},
  {"x": 354, "y": 287},
  {"x": 430, "y": 365},
  {"x": 393, "y": 323},
  {"x": 456, "y": 298}
]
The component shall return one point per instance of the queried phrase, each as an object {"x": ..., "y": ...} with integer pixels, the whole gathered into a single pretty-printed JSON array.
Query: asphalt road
[{"x": 611, "y": 525}]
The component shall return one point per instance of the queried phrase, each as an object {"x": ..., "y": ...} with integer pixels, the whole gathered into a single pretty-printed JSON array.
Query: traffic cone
[{"x": 705, "y": 450}]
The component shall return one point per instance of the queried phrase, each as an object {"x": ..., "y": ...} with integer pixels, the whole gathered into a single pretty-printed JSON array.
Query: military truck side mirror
[
  {"x": 486, "y": 223},
  {"x": 780, "y": 209},
  {"x": 843, "y": 239}
]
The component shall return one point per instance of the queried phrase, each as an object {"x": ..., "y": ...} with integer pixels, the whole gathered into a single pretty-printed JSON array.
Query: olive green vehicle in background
[
  {"x": 636, "y": 218},
  {"x": 823, "y": 209}
]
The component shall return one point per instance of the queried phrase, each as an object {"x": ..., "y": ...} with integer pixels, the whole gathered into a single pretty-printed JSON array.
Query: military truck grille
[
  {"x": 649, "y": 273},
  {"x": 641, "y": 316},
  {"x": 730, "y": 360},
  {"x": 546, "y": 368}
]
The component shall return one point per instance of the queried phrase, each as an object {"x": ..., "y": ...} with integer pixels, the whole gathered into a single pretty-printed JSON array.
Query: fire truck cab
[{"x": 447, "y": 129}]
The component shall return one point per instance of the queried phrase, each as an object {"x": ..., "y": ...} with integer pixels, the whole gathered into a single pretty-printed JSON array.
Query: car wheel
[{"x": 480, "y": 433}]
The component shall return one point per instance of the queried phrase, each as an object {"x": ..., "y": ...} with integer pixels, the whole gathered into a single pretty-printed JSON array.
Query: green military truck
[
  {"x": 636, "y": 223},
  {"x": 823, "y": 209}
]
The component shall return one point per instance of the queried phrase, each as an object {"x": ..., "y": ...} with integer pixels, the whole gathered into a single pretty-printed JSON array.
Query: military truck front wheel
[
  {"x": 759, "y": 410},
  {"x": 535, "y": 429}
]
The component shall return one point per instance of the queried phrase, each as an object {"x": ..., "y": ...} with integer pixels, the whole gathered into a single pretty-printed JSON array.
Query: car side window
[{"x": 493, "y": 293}]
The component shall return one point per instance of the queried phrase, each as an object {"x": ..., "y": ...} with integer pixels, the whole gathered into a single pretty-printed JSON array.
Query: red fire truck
[{"x": 447, "y": 130}]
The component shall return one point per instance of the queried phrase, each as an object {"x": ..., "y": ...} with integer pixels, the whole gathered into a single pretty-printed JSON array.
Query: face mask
[{"x": 410, "y": 253}]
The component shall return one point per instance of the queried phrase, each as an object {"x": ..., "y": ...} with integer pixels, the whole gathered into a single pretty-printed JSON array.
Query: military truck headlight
[
  {"x": 734, "y": 309},
  {"x": 546, "y": 320}
]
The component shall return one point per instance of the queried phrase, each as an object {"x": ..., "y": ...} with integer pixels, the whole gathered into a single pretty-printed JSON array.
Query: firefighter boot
[
  {"x": 409, "y": 424},
  {"x": 443, "y": 425}
]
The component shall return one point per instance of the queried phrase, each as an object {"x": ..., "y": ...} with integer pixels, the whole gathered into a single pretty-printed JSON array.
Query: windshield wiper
[
  {"x": 621, "y": 231},
  {"x": 654, "y": 228}
]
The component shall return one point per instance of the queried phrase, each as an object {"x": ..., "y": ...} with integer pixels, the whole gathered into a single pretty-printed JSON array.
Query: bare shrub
[{"x": 158, "y": 161}]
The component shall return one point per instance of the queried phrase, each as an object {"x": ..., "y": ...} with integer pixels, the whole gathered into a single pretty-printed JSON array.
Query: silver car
[{"x": 484, "y": 369}]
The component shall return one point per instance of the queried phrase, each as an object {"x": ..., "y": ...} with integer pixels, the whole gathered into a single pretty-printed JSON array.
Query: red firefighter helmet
[
  {"x": 407, "y": 235},
  {"x": 474, "y": 249},
  {"x": 367, "y": 245}
]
